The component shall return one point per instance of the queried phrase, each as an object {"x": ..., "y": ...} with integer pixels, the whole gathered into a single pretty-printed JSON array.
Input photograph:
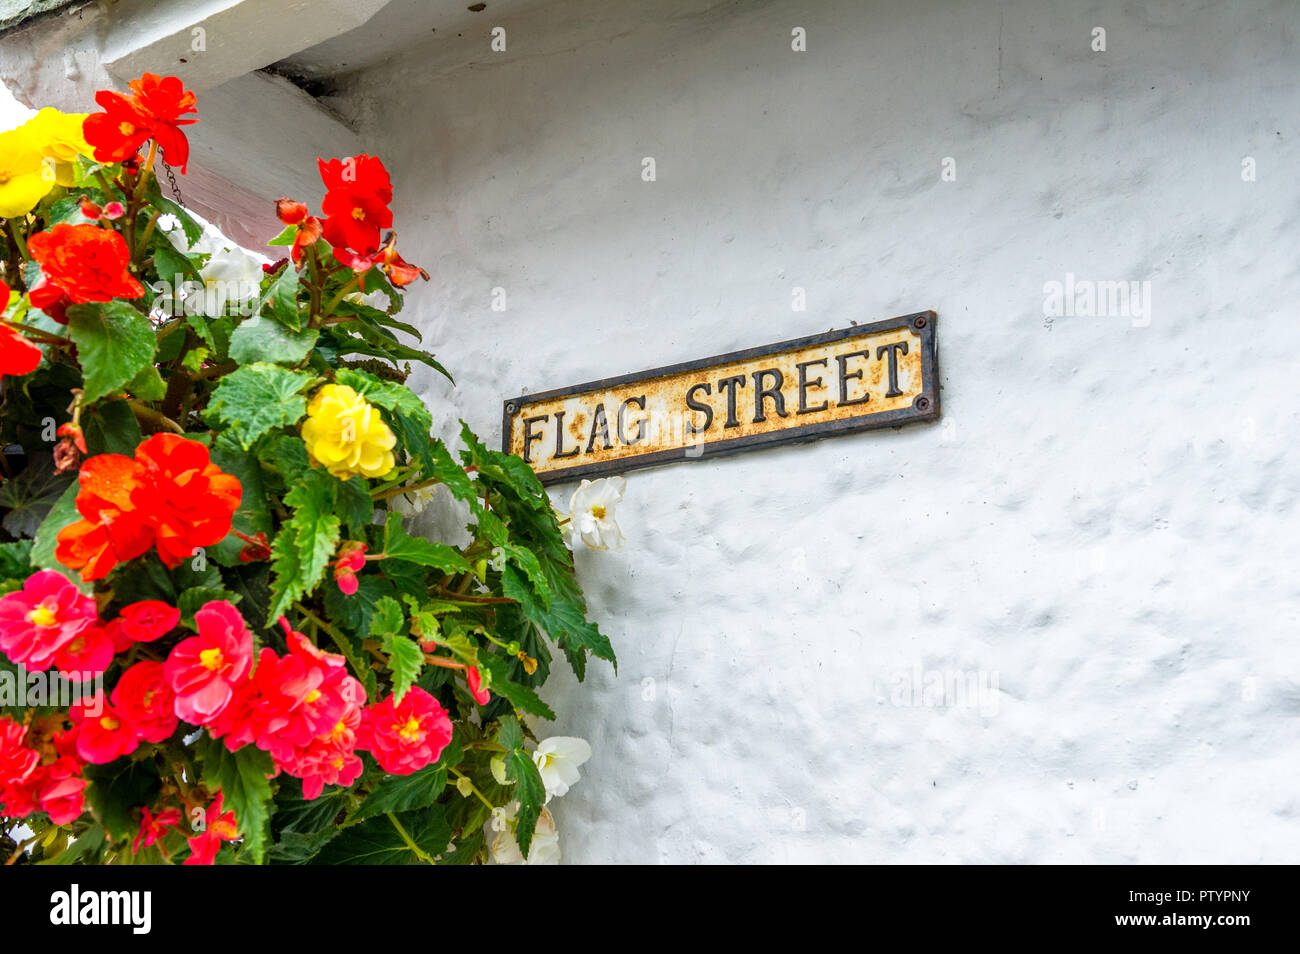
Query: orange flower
[
  {"x": 111, "y": 530},
  {"x": 188, "y": 499},
  {"x": 171, "y": 495},
  {"x": 80, "y": 264},
  {"x": 399, "y": 271}
]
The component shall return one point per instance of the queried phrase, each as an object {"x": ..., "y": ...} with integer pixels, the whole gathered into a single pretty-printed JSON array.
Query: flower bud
[{"x": 290, "y": 212}]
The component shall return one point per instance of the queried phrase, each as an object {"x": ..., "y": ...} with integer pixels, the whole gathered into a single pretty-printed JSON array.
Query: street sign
[{"x": 839, "y": 382}]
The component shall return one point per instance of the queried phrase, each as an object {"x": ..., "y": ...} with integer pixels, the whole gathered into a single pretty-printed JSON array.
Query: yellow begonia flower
[
  {"x": 25, "y": 176},
  {"x": 347, "y": 435},
  {"x": 59, "y": 137}
]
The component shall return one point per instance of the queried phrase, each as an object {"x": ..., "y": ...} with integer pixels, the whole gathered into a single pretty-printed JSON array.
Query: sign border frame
[{"x": 925, "y": 407}]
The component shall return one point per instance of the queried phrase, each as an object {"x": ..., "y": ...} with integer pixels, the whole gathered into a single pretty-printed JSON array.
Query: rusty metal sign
[{"x": 870, "y": 376}]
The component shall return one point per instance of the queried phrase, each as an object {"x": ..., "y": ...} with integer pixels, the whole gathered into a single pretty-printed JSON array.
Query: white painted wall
[{"x": 1105, "y": 520}]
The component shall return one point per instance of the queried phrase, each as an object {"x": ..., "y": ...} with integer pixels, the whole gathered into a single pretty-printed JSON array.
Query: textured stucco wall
[{"x": 1101, "y": 530}]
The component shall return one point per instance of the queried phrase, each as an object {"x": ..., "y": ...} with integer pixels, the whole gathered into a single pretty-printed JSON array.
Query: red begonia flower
[
  {"x": 357, "y": 194},
  {"x": 119, "y": 131},
  {"x": 154, "y": 827},
  {"x": 42, "y": 618},
  {"x": 171, "y": 495},
  {"x": 399, "y": 271},
  {"x": 62, "y": 791},
  {"x": 143, "y": 696},
  {"x": 219, "y": 826},
  {"x": 165, "y": 100},
  {"x": 147, "y": 620},
  {"x": 205, "y": 670},
  {"x": 89, "y": 653},
  {"x": 351, "y": 558},
  {"x": 188, "y": 499},
  {"x": 17, "y": 354},
  {"x": 103, "y": 733},
  {"x": 476, "y": 688},
  {"x": 404, "y": 737}
]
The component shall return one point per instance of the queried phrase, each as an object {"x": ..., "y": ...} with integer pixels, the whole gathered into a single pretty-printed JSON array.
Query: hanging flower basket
[{"x": 219, "y": 639}]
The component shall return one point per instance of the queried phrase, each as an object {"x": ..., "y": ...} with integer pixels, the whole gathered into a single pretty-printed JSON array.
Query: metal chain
[{"x": 171, "y": 180}]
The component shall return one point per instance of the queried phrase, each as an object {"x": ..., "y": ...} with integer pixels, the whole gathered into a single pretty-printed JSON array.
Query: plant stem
[
  {"x": 404, "y": 489},
  {"x": 42, "y": 336},
  {"x": 145, "y": 171},
  {"x": 410, "y": 843},
  {"x": 453, "y": 597},
  {"x": 339, "y": 639},
  {"x": 342, "y": 293},
  {"x": 17, "y": 236},
  {"x": 148, "y": 415},
  {"x": 149, "y": 227},
  {"x": 459, "y": 774}
]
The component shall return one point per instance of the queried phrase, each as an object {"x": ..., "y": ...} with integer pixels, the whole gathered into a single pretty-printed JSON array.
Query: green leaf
[
  {"x": 29, "y": 497},
  {"x": 63, "y": 513},
  {"x": 286, "y": 237},
  {"x": 253, "y": 516},
  {"x": 203, "y": 328},
  {"x": 530, "y": 791},
  {"x": 170, "y": 263},
  {"x": 282, "y": 298},
  {"x": 148, "y": 385},
  {"x": 404, "y": 793},
  {"x": 378, "y": 841},
  {"x": 16, "y": 560},
  {"x": 405, "y": 660},
  {"x": 387, "y": 619},
  {"x": 520, "y": 696},
  {"x": 116, "y": 790},
  {"x": 194, "y": 599},
  {"x": 356, "y": 509},
  {"x": 257, "y": 398},
  {"x": 86, "y": 845},
  {"x": 243, "y": 779},
  {"x": 305, "y": 543},
  {"x": 400, "y": 545},
  {"x": 194, "y": 358},
  {"x": 262, "y": 339},
  {"x": 527, "y": 563},
  {"x": 193, "y": 231},
  {"x": 453, "y": 475},
  {"x": 355, "y": 612},
  {"x": 293, "y": 848},
  {"x": 68, "y": 210},
  {"x": 114, "y": 344},
  {"x": 565, "y": 620}
]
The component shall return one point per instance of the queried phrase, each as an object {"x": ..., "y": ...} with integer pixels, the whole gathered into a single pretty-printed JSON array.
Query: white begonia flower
[
  {"x": 557, "y": 760},
  {"x": 231, "y": 280},
  {"x": 375, "y": 299},
  {"x": 545, "y": 849},
  {"x": 170, "y": 226},
  {"x": 591, "y": 513},
  {"x": 415, "y": 501}
]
